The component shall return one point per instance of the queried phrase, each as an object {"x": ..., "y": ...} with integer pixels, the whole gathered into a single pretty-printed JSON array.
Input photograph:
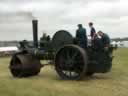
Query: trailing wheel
[{"x": 71, "y": 62}]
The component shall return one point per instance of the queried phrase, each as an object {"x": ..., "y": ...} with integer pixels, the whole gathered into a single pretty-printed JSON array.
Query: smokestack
[{"x": 35, "y": 33}]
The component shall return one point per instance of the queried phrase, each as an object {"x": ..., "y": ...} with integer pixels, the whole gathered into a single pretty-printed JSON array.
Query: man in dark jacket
[
  {"x": 92, "y": 30},
  {"x": 105, "y": 39},
  {"x": 97, "y": 43},
  {"x": 81, "y": 36}
]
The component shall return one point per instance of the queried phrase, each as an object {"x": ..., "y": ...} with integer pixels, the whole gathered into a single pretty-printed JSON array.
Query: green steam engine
[{"x": 71, "y": 62}]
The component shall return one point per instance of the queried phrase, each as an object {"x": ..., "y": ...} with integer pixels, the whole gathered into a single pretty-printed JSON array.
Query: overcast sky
[{"x": 110, "y": 16}]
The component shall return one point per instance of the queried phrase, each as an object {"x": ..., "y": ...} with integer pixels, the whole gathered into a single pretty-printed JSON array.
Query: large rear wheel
[{"x": 71, "y": 62}]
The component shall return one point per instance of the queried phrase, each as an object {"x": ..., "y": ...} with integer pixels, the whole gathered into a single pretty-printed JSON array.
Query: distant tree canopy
[
  {"x": 120, "y": 39},
  {"x": 44, "y": 40},
  {"x": 45, "y": 37}
]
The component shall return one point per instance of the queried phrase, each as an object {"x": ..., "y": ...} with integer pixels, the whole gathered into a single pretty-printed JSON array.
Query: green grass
[{"x": 47, "y": 83}]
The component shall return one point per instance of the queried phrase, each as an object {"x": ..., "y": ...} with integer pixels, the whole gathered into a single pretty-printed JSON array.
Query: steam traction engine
[{"x": 70, "y": 60}]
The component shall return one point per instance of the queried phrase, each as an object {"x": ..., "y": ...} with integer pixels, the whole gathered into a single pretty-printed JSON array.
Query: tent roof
[{"x": 10, "y": 48}]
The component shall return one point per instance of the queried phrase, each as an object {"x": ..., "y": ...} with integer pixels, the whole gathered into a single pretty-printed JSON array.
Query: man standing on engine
[
  {"x": 81, "y": 36},
  {"x": 92, "y": 30},
  {"x": 105, "y": 39}
]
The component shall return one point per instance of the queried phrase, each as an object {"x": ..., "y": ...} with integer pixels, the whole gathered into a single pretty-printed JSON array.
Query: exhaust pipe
[{"x": 35, "y": 33}]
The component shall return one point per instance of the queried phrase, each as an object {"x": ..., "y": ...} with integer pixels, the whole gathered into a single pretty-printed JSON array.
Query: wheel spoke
[
  {"x": 61, "y": 60},
  {"x": 67, "y": 54},
  {"x": 75, "y": 55}
]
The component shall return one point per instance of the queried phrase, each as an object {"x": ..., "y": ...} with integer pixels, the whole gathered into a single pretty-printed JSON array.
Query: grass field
[{"x": 47, "y": 83}]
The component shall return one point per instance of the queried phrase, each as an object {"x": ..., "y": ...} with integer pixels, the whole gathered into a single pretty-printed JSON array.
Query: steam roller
[{"x": 71, "y": 61}]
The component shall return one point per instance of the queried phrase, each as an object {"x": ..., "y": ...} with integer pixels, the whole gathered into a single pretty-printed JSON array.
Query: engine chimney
[{"x": 35, "y": 33}]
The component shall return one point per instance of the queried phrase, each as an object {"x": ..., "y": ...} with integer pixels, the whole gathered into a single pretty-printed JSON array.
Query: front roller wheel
[
  {"x": 24, "y": 65},
  {"x": 71, "y": 62}
]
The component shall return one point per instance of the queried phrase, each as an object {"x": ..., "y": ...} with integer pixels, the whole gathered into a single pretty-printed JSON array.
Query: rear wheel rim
[{"x": 71, "y": 62}]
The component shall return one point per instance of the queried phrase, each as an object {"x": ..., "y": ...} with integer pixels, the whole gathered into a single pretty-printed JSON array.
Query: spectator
[
  {"x": 105, "y": 39},
  {"x": 92, "y": 30},
  {"x": 81, "y": 36}
]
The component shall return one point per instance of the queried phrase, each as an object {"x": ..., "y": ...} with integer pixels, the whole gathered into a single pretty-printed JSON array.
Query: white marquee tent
[{"x": 10, "y": 48}]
